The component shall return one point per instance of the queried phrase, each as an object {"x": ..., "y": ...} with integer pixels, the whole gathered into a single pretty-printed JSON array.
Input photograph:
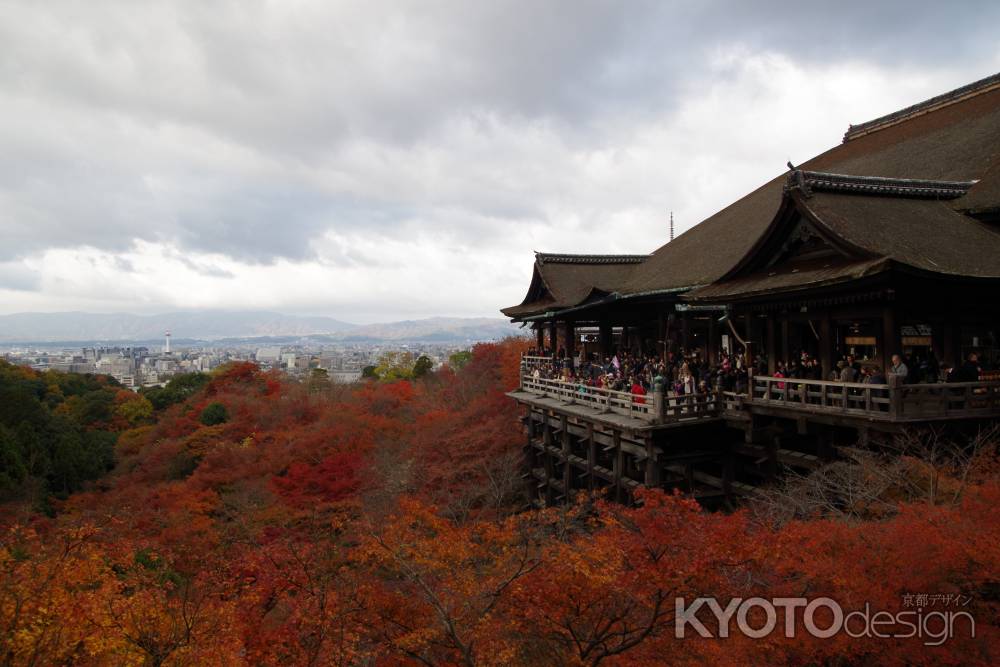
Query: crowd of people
[
  {"x": 913, "y": 368},
  {"x": 688, "y": 372},
  {"x": 678, "y": 374}
]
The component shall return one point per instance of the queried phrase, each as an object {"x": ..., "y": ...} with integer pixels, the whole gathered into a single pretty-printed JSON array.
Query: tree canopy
[{"x": 372, "y": 524}]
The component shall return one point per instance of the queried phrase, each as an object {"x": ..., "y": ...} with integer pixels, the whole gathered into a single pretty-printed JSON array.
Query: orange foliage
[{"x": 319, "y": 528}]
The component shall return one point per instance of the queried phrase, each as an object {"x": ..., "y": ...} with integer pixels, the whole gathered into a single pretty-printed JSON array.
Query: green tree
[
  {"x": 214, "y": 413},
  {"x": 422, "y": 366},
  {"x": 458, "y": 360},
  {"x": 178, "y": 389},
  {"x": 136, "y": 411},
  {"x": 12, "y": 468},
  {"x": 395, "y": 365}
]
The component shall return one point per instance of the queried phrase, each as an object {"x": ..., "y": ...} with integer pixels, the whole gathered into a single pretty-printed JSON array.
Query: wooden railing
[
  {"x": 853, "y": 398},
  {"x": 655, "y": 407},
  {"x": 529, "y": 364},
  {"x": 951, "y": 400},
  {"x": 883, "y": 402},
  {"x": 889, "y": 402}
]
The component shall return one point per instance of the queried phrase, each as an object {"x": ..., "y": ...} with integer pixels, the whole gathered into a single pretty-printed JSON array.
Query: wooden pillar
[
  {"x": 785, "y": 351},
  {"x": 685, "y": 333},
  {"x": 661, "y": 336},
  {"x": 752, "y": 338},
  {"x": 825, "y": 448},
  {"x": 567, "y": 468},
  {"x": 711, "y": 344},
  {"x": 771, "y": 465},
  {"x": 531, "y": 455},
  {"x": 570, "y": 332},
  {"x": 547, "y": 454},
  {"x": 553, "y": 338},
  {"x": 618, "y": 464},
  {"x": 540, "y": 338},
  {"x": 890, "y": 337},
  {"x": 826, "y": 345},
  {"x": 652, "y": 465},
  {"x": 591, "y": 457},
  {"x": 606, "y": 334},
  {"x": 951, "y": 344},
  {"x": 772, "y": 347}
]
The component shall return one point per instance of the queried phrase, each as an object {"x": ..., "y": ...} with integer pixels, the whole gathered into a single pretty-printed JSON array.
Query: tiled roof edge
[
  {"x": 943, "y": 100},
  {"x": 808, "y": 181}
]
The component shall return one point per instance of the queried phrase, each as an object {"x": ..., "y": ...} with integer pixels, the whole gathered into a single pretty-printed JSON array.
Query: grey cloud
[
  {"x": 16, "y": 276},
  {"x": 95, "y": 94}
]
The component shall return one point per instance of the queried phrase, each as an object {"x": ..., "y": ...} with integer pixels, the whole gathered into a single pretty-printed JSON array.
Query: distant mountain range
[
  {"x": 211, "y": 325},
  {"x": 434, "y": 329}
]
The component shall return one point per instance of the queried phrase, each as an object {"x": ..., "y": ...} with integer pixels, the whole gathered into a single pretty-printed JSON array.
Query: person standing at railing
[
  {"x": 875, "y": 375},
  {"x": 898, "y": 369},
  {"x": 847, "y": 371},
  {"x": 638, "y": 391},
  {"x": 969, "y": 370}
]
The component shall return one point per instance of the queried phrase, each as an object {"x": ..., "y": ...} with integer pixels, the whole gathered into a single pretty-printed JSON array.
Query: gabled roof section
[
  {"x": 826, "y": 235},
  {"x": 562, "y": 280},
  {"x": 938, "y": 148},
  {"x": 937, "y": 102},
  {"x": 925, "y": 234}
]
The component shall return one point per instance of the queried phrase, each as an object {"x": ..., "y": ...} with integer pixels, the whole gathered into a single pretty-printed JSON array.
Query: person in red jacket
[{"x": 638, "y": 391}]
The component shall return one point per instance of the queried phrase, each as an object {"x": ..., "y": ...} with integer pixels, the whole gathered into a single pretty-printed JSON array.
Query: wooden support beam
[
  {"x": 661, "y": 336},
  {"x": 549, "y": 468},
  {"x": 951, "y": 344},
  {"x": 606, "y": 335},
  {"x": 772, "y": 446},
  {"x": 890, "y": 337},
  {"x": 786, "y": 353},
  {"x": 619, "y": 462},
  {"x": 565, "y": 455},
  {"x": 553, "y": 338},
  {"x": 652, "y": 478},
  {"x": 591, "y": 457},
  {"x": 826, "y": 345},
  {"x": 772, "y": 347},
  {"x": 711, "y": 345},
  {"x": 570, "y": 337}
]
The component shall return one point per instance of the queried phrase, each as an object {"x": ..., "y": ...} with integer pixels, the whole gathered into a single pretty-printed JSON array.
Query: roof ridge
[
  {"x": 807, "y": 181},
  {"x": 571, "y": 258},
  {"x": 945, "y": 99}
]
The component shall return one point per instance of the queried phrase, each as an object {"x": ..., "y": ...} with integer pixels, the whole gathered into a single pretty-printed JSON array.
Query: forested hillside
[
  {"x": 254, "y": 520},
  {"x": 58, "y": 430}
]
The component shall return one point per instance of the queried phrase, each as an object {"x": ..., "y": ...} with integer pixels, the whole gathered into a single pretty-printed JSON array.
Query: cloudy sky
[{"x": 377, "y": 161}]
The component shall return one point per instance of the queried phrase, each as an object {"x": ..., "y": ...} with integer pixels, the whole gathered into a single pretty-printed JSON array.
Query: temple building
[{"x": 887, "y": 244}]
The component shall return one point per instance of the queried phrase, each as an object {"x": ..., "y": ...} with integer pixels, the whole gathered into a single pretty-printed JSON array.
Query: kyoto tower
[{"x": 166, "y": 350}]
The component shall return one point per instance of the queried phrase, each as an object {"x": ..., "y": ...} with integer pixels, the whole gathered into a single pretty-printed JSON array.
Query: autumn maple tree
[{"x": 383, "y": 523}]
